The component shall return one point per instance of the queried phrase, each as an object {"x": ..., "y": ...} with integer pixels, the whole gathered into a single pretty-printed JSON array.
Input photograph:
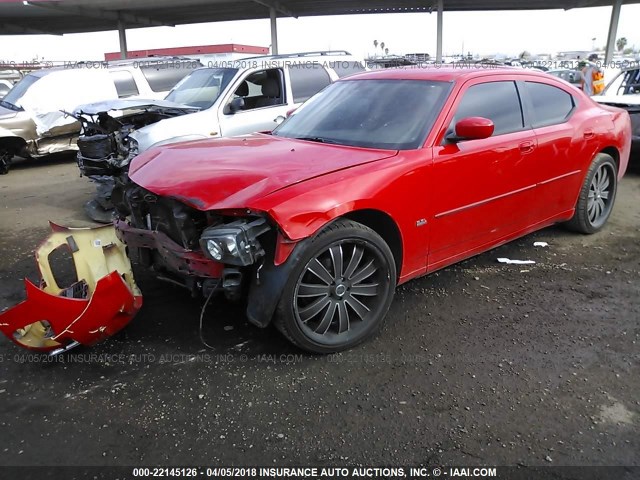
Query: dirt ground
[{"x": 479, "y": 364}]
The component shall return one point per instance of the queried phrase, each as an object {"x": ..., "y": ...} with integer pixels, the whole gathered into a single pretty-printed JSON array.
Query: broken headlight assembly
[{"x": 235, "y": 243}]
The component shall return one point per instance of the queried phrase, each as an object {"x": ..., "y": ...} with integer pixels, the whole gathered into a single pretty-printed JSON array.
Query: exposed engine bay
[{"x": 105, "y": 148}]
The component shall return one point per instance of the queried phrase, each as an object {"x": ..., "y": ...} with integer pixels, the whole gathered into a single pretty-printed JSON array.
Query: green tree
[{"x": 621, "y": 43}]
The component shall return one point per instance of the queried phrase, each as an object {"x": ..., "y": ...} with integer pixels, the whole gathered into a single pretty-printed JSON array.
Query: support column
[
  {"x": 613, "y": 30},
  {"x": 274, "y": 30},
  {"x": 439, "y": 33},
  {"x": 122, "y": 33}
]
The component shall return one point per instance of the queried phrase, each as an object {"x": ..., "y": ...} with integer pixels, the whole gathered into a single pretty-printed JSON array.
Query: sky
[{"x": 482, "y": 33}]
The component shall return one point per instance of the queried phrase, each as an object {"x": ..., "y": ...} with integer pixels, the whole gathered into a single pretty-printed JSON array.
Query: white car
[
  {"x": 33, "y": 118},
  {"x": 624, "y": 92}
]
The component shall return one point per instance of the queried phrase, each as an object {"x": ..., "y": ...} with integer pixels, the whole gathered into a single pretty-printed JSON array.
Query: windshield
[
  {"x": 202, "y": 87},
  {"x": 19, "y": 89},
  {"x": 388, "y": 114}
]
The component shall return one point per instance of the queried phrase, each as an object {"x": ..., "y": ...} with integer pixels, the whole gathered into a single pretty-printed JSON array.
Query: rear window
[
  {"x": 307, "y": 79},
  {"x": 164, "y": 75},
  {"x": 345, "y": 68},
  {"x": 124, "y": 82},
  {"x": 551, "y": 105}
]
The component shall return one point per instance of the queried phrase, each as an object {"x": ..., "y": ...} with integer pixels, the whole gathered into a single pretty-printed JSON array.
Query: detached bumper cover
[{"x": 101, "y": 303}]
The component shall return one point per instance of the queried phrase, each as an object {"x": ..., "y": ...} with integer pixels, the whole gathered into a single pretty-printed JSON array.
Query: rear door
[
  {"x": 562, "y": 149},
  {"x": 482, "y": 190},
  {"x": 307, "y": 79}
]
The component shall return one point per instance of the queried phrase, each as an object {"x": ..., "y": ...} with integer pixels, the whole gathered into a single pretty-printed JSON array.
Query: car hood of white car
[
  {"x": 124, "y": 104},
  {"x": 633, "y": 99}
]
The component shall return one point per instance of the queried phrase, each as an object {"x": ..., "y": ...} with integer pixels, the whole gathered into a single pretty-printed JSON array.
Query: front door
[{"x": 265, "y": 100}]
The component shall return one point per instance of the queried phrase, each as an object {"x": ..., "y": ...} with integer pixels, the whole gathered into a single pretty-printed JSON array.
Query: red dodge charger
[{"x": 380, "y": 178}]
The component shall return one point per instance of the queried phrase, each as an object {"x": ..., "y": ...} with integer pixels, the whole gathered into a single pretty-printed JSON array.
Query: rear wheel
[
  {"x": 597, "y": 196},
  {"x": 340, "y": 291}
]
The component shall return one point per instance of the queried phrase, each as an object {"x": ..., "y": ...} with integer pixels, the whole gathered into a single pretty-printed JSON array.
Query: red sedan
[{"x": 380, "y": 178}]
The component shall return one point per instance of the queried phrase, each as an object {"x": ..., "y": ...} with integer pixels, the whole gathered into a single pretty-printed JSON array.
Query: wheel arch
[
  {"x": 381, "y": 223},
  {"x": 13, "y": 144},
  {"x": 614, "y": 153}
]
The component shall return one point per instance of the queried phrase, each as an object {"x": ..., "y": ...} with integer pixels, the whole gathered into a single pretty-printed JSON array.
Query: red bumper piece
[{"x": 101, "y": 303}]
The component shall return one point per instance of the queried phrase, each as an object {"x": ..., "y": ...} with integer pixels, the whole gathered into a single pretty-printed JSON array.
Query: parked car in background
[
  {"x": 572, "y": 76},
  {"x": 380, "y": 178},
  {"x": 624, "y": 92},
  {"x": 33, "y": 122},
  {"x": 251, "y": 95},
  {"x": 8, "y": 78}
]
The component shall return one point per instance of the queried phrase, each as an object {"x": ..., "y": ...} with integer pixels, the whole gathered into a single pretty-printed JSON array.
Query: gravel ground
[{"x": 478, "y": 364}]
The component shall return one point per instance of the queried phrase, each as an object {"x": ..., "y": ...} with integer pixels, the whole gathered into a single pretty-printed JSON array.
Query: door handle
[
  {"x": 588, "y": 134},
  {"x": 526, "y": 147},
  {"x": 279, "y": 119}
]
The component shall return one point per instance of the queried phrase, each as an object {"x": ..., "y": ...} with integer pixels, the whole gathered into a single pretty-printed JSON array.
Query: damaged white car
[{"x": 33, "y": 118}]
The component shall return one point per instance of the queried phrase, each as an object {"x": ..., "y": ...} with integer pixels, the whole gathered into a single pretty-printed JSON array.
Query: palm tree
[
  {"x": 382, "y": 46},
  {"x": 375, "y": 44},
  {"x": 386, "y": 51},
  {"x": 621, "y": 43}
]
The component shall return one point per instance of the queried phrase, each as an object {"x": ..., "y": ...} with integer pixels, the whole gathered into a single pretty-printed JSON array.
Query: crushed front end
[
  {"x": 200, "y": 251},
  {"x": 105, "y": 148},
  {"x": 103, "y": 300}
]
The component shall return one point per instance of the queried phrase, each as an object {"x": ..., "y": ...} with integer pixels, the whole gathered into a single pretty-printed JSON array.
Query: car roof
[{"x": 444, "y": 74}]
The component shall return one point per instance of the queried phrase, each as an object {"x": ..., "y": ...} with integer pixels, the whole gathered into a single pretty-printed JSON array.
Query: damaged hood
[
  {"x": 126, "y": 104},
  {"x": 232, "y": 172}
]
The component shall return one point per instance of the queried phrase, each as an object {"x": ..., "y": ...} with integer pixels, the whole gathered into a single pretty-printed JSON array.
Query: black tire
[
  {"x": 349, "y": 257},
  {"x": 597, "y": 196},
  {"x": 5, "y": 161}
]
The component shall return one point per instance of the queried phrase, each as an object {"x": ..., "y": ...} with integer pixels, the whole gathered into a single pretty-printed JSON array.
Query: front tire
[
  {"x": 340, "y": 290},
  {"x": 597, "y": 196}
]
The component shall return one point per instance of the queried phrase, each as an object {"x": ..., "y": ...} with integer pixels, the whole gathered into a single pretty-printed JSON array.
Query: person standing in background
[{"x": 592, "y": 76}]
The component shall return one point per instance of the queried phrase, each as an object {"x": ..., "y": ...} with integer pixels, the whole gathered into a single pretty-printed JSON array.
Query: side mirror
[
  {"x": 291, "y": 112},
  {"x": 235, "y": 105},
  {"x": 472, "y": 128}
]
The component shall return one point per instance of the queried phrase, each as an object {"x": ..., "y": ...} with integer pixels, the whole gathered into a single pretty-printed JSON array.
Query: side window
[
  {"x": 346, "y": 68},
  {"x": 124, "y": 82},
  {"x": 497, "y": 101},
  {"x": 307, "y": 79},
  {"x": 164, "y": 75},
  {"x": 551, "y": 105},
  {"x": 261, "y": 89}
]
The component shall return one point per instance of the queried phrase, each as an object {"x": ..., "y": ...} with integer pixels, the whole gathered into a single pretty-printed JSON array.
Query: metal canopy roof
[{"x": 76, "y": 16}]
